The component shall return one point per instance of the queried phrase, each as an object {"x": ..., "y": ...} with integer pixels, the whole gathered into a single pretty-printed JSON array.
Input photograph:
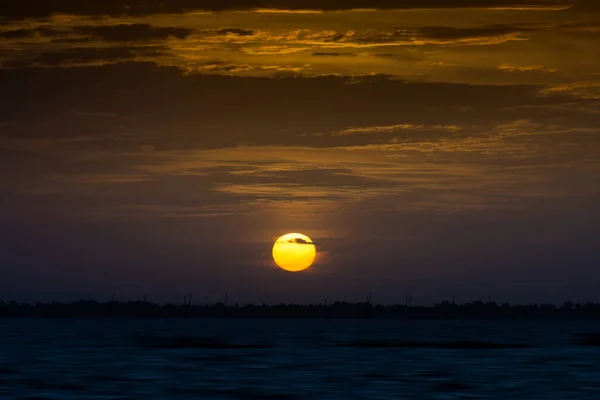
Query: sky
[{"x": 429, "y": 148}]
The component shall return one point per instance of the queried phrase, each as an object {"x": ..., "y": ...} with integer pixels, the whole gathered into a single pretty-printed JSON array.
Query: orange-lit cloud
[
  {"x": 525, "y": 68},
  {"x": 585, "y": 90}
]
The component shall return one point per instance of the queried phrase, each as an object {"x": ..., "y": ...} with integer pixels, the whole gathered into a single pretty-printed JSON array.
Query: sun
[{"x": 294, "y": 252}]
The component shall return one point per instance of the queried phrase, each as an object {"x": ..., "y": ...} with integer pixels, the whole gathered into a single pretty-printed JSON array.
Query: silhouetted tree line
[{"x": 442, "y": 310}]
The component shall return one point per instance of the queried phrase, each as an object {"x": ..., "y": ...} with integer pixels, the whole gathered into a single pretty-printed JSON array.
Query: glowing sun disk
[{"x": 294, "y": 252}]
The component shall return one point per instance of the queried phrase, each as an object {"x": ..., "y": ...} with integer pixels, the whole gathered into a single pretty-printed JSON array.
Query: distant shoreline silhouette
[{"x": 340, "y": 310}]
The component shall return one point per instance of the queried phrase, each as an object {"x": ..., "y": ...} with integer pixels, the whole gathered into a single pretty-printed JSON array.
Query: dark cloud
[
  {"x": 299, "y": 241},
  {"x": 221, "y": 66},
  {"x": 23, "y": 33},
  {"x": 51, "y": 32},
  {"x": 17, "y": 34},
  {"x": 56, "y": 35},
  {"x": 449, "y": 32},
  {"x": 133, "y": 32},
  {"x": 332, "y": 54},
  {"x": 109, "y": 33},
  {"x": 235, "y": 31},
  {"x": 73, "y": 40},
  {"x": 19, "y": 9},
  {"x": 587, "y": 5},
  {"x": 589, "y": 27},
  {"x": 401, "y": 56},
  {"x": 85, "y": 55}
]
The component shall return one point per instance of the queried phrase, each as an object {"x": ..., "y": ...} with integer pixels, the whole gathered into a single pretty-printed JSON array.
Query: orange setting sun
[{"x": 294, "y": 252}]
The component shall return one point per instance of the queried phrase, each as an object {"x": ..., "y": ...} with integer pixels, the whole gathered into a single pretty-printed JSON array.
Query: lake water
[{"x": 296, "y": 359}]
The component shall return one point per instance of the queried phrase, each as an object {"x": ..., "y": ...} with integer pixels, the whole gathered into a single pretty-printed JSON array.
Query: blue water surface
[{"x": 296, "y": 359}]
